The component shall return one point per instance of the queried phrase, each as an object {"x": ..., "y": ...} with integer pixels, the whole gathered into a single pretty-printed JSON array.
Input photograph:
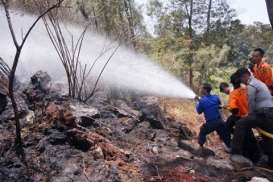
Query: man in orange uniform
[
  {"x": 238, "y": 106},
  {"x": 262, "y": 70}
]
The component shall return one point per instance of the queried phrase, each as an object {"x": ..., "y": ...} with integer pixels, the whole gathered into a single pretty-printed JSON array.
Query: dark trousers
[
  {"x": 250, "y": 147},
  {"x": 230, "y": 123},
  {"x": 218, "y": 126},
  {"x": 262, "y": 119},
  {"x": 267, "y": 146}
]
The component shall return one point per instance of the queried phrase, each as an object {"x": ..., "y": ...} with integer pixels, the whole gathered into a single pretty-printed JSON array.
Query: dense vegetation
[{"x": 198, "y": 40}]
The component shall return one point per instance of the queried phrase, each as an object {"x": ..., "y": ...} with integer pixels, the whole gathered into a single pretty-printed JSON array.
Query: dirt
[{"x": 117, "y": 140}]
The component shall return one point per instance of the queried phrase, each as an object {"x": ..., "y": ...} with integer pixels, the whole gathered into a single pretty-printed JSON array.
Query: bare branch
[
  {"x": 97, "y": 81},
  {"x": 37, "y": 20},
  {"x": 6, "y": 8},
  {"x": 18, "y": 140}
]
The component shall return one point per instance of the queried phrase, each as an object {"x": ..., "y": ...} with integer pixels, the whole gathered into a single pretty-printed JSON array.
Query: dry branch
[
  {"x": 19, "y": 47},
  {"x": 98, "y": 78},
  {"x": 69, "y": 50}
]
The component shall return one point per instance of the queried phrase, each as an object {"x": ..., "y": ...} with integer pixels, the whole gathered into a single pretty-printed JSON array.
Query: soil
[{"x": 144, "y": 139}]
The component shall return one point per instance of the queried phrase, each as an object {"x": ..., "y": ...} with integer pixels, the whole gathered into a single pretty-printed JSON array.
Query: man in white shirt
[{"x": 260, "y": 106}]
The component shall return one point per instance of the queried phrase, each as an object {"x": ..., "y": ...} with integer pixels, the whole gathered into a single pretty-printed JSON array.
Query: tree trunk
[
  {"x": 95, "y": 19},
  {"x": 129, "y": 15},
  {"x": 191, "y": 44},
  {"x": 269, "y": 4},
  {"x": 19, "y": 47},
  {"x": 106, "y": 10},
  {"x": 206, "y": 36},
  {"x": 208, "y": 16},
  {"x": 18, "y": 140}
]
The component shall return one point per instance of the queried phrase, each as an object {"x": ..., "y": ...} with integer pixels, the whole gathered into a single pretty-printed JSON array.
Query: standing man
[
  {"x": 209, "y": 105},
  {"x": 260, "y": 108},
  {"x": 262, "y": 70}
]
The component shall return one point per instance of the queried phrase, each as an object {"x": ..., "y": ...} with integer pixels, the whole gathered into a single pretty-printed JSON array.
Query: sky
[{"x": 248, "y": 11}]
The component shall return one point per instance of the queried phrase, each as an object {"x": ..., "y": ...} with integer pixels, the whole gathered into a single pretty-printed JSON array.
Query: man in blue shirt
[{"x": 210, "y": 105}]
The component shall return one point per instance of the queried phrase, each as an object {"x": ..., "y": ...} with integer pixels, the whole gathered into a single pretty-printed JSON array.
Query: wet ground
[{"x": 110, "y": 141}]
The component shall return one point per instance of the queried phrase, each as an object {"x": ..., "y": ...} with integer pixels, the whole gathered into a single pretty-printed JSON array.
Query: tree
[
  {"x": 19, "y": 48},
  {"x": 208, "y": 16},
  {"x": 116, "y": 19},
  {"x": 120, "y": 18},
  {"x": 185, "y": 27},
  {"x": 269, "y": 4}
]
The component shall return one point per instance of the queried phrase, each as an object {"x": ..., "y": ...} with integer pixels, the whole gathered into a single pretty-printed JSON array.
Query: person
[
  {"x": 261, "y": 70},
  {"x": 209, "y": 105},
  {"x": 238, "y": 106},
  {"x": 225, "y": 88},
  {"x": 237, "y": 102},
  {"x": 260, "y": 115}
]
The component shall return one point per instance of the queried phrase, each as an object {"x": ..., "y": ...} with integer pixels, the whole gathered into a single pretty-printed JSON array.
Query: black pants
[
  {"x": 262, "y": 119},
  {"x": 250, "y": 147},
  {"x": 3, "y": 102},
  {"x": 230, "y": 123},
  {"x": 267, "y": 146},
  {"x": 219, "y": 127}
]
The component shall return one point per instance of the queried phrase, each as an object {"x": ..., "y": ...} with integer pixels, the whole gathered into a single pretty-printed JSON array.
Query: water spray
[{"x": 128, "y": 70}]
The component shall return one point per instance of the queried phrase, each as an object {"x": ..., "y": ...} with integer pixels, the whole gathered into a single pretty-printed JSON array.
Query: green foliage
[
  {"x": 219, "y": 46},
  {"x": 119, "y": 19},
  {"x": 211, "y": 47}
]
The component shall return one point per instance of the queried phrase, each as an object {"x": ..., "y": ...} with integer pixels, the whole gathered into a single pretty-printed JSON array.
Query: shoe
[{"x": 263, "y": 161}]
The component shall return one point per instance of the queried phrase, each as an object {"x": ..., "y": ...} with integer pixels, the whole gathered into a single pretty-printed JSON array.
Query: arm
[
  {"x": 267, "y": 77},
  {"x": 199, "y": 107},
  {"x": 251, "y": 98},
  {"x": 234, "y": 111},
  {"x": 220, "y": 105},
  {"x": 219, "y": 101}
]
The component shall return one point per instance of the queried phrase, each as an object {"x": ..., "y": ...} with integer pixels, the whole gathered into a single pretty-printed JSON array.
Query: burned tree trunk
[
  {"x": 19, "y": 47},
  {"x": 269, "y": 4}
]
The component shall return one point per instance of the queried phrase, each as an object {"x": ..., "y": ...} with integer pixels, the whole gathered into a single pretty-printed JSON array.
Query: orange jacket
[
  {"x": 238, "y": 100},
  {"x": 263, "y": 72}
]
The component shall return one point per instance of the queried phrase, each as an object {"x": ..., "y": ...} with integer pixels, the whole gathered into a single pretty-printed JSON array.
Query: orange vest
[
  {"x": 238, "y": 100},
  {"x": 263, "y": 72}
]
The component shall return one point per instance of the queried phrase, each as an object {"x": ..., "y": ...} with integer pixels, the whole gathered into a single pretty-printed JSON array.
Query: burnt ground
[{"x": 110, "y": 141}]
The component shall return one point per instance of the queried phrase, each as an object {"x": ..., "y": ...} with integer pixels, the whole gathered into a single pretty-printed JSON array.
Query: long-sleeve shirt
[
  {"x": 259, "y": 95},
  {"x": 209, "y": 105},
  {"x": 263, "y": 72}
]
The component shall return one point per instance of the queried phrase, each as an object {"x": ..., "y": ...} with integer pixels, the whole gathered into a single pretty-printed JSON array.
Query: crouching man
[
  {"x": 210, "y": 105},
  {"x": 260, "y": 107}
]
